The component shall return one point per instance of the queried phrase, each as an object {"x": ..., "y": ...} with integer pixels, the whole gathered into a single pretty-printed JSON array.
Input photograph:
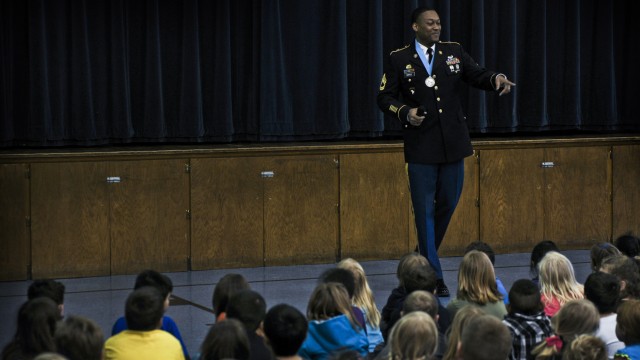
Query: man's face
[{"x": 427, "y": 28}]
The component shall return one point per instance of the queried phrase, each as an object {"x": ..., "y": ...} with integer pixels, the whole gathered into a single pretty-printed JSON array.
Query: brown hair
[
  {"x": 628, "y": 319},
  {"x": 454, "y": 333},
  {"x": 414, "y": 336},
  {"x": 477, "y": 279},
  {"x": 329, "y": 300}
]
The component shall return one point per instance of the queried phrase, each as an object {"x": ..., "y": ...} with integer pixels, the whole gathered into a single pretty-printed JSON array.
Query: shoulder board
[
  {"x": 396, "y": 50},
  {"x": 449, "y": 42}
]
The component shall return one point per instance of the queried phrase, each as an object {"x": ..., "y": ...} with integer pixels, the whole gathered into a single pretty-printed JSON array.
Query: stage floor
[{"x": 102, "y": 298}]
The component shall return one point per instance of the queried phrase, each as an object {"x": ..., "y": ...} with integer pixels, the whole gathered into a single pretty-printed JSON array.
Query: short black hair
[
  {"x": 51, "y": 289},
  {"x": 418, "y": 11},
  {"x": 340, "y": 276},
  {"x": 154, "y": 279},
  {"x": 628, "y": 245},
  {"x": 225, "y": 288},
  {"x": 603, "y": 290},
  {"x": 484, "y": 247},
  {"x": 286, "y": 328},
  {"x": 248, "y": 307},
  {"x": 539, "y": 251},
  {"x": 524, "y": 297},
  {"x": 144, "y": 309}
]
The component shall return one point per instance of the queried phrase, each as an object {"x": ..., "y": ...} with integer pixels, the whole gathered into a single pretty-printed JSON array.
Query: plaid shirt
[{"x": 527, "y": 331}]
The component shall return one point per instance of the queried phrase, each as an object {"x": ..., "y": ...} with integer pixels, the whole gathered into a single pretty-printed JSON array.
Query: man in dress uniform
[{"x": 420, "y": 88}]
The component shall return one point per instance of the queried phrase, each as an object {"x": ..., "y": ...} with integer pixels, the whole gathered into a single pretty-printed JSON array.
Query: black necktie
[{"x": 430, "y": 53}]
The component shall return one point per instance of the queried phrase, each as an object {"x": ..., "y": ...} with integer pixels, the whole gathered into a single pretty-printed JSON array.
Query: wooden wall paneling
[
  {"x": 464, "y": 227},
  {"x": 69, "y": 219},
  {"x": 374, "y": 196},
  {"x": 301, "y": 210},
  {"x": 149, "y": 226},
  {"x": 511, "y": 199},
  {"x": 578, "y": 196},
  {"x": 626, "y": 190},
  {"x": 227, "y": 213},
  {"x": 15, "y": 242}
]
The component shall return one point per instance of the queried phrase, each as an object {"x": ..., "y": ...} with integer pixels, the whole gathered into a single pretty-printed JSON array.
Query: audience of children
[
  {"x": 558, "y": 283},
  {"x": 526, "y": 320},
  {"x": 603, "y": 290},
  {"x": 545, "y": 320},
  {"x": 477, "y": 286}
]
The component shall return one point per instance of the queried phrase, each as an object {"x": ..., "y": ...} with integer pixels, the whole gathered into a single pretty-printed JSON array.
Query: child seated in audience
[
  {"x": 585, "y": 347},
  {"x": 477, "y": 286},
  {"x": 363, "y": 299},
  {"x": 249, "y": 307},
  {"x": 79, "y": 338},
  {"x": 575, "y": 318},
  {"x": 36, "y": 325},
  {"x": 454, "y": 334},
  {"x": 413, "y": 273},
  {"x": 626, "y": 269},
  {"x": 225, "y": 340},
  {"x": 286, "y": 329},
  {"x": 144, "y": 340},
  {"x": 484, "y": 338},
  {"x": 51, "y": 289},
  {"x": 486, "y": 248},
  {"x": 332, "y": 326},
  {"x": 628, "y": 330},
  {"x": 224, "y": 289},
  {"x": 603, "y": 290},
  {"x": 537, "y": 253},
  {"x": 164, "y": 285},
  {"x": 346, "y": 278},
  {"x": 413, "y": 337},
  {"x": 558, "y": 283},
  {"x": 599, "y": 252},
  {"x": 526, "y": 320},
  {"x": 629, "y": 245}
]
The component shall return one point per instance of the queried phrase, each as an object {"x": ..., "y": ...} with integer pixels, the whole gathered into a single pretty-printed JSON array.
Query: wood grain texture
[
  {"x": 227, "y": 212},
  {"x": 464, "y": 226},
  {"x": 511, "y": 199},
  {"x": 374, "y": 196},
  {"x": 578, "y": 205},
  {"x": 626, "y": 190},
  {"x": 301, "y": 210},
  {"x": 15, "y": 251},
  {"x": 69, "y": 219},
  {"x": 148, "y": 224}
]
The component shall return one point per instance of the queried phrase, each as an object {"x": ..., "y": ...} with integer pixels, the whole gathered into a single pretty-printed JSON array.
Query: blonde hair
[
  {"x": 477, "y": 279},
  {"x": 362, "y": 294},
  {"x": 586, "y": 347},
  {"x": 557, "y": 279},
  {"x": 414, "y": 336},
  {"x": 454, "y": 333},
  {"x": 575, "y": 318},
  {"x": 329, "y": 300}
]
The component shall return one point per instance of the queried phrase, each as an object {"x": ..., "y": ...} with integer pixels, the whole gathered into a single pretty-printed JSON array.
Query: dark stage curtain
[{"x": 98, "y": 72}]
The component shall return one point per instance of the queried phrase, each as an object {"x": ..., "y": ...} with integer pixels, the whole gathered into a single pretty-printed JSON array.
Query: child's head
[
  {"x": 585, "y": 347},
  {"x": 227, "y": 286},
  {"x": 575, "y": 318},
  {"x": 408, "y": 261},
  {"x": 558, "y": 279},
  {"x": 626, "y": 269},
  {"x": 225, "y": 340},
  {"x": 524, "y": 298},
  {"x": 483, "y": 247},
  {"x": 36, "y": 326},
  {"x": 421, "y": 300},
  {"x": 144, "y": 309},
  {"x": 286, "y": 329},
  {"x": 477, "y": 279},
  {"x": 539, "y": 251},
  {"x": 628, "y": 245},
  {"x": 600, "y": 251},
  {"x": 341, "y": 276},
  {"x": 460, "y": 321},
  {"x": 603, "y": 290},
  {"x": 51, "y": 289},
  {"x": 485, "y": 338},
  {"x": 628, "y": 319},
  {"x": 414, "y": 336},
  {"x": 248, "y": 307},
  {"x": 362, "y": 295},
  {"x": 79, "y": 338},
  {"x": 329, "y": 300},
  {"x": 157, "y": 280}
]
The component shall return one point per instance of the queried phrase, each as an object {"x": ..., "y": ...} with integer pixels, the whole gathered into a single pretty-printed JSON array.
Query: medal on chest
[{"x": 430, "y": 82}]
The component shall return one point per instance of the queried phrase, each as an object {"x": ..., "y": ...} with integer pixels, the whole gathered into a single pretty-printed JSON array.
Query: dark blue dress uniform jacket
[{"x": 443, "y": 136}]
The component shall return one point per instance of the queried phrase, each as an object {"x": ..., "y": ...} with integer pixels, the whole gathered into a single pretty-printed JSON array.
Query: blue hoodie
[{"x": 329, "y": 336}]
